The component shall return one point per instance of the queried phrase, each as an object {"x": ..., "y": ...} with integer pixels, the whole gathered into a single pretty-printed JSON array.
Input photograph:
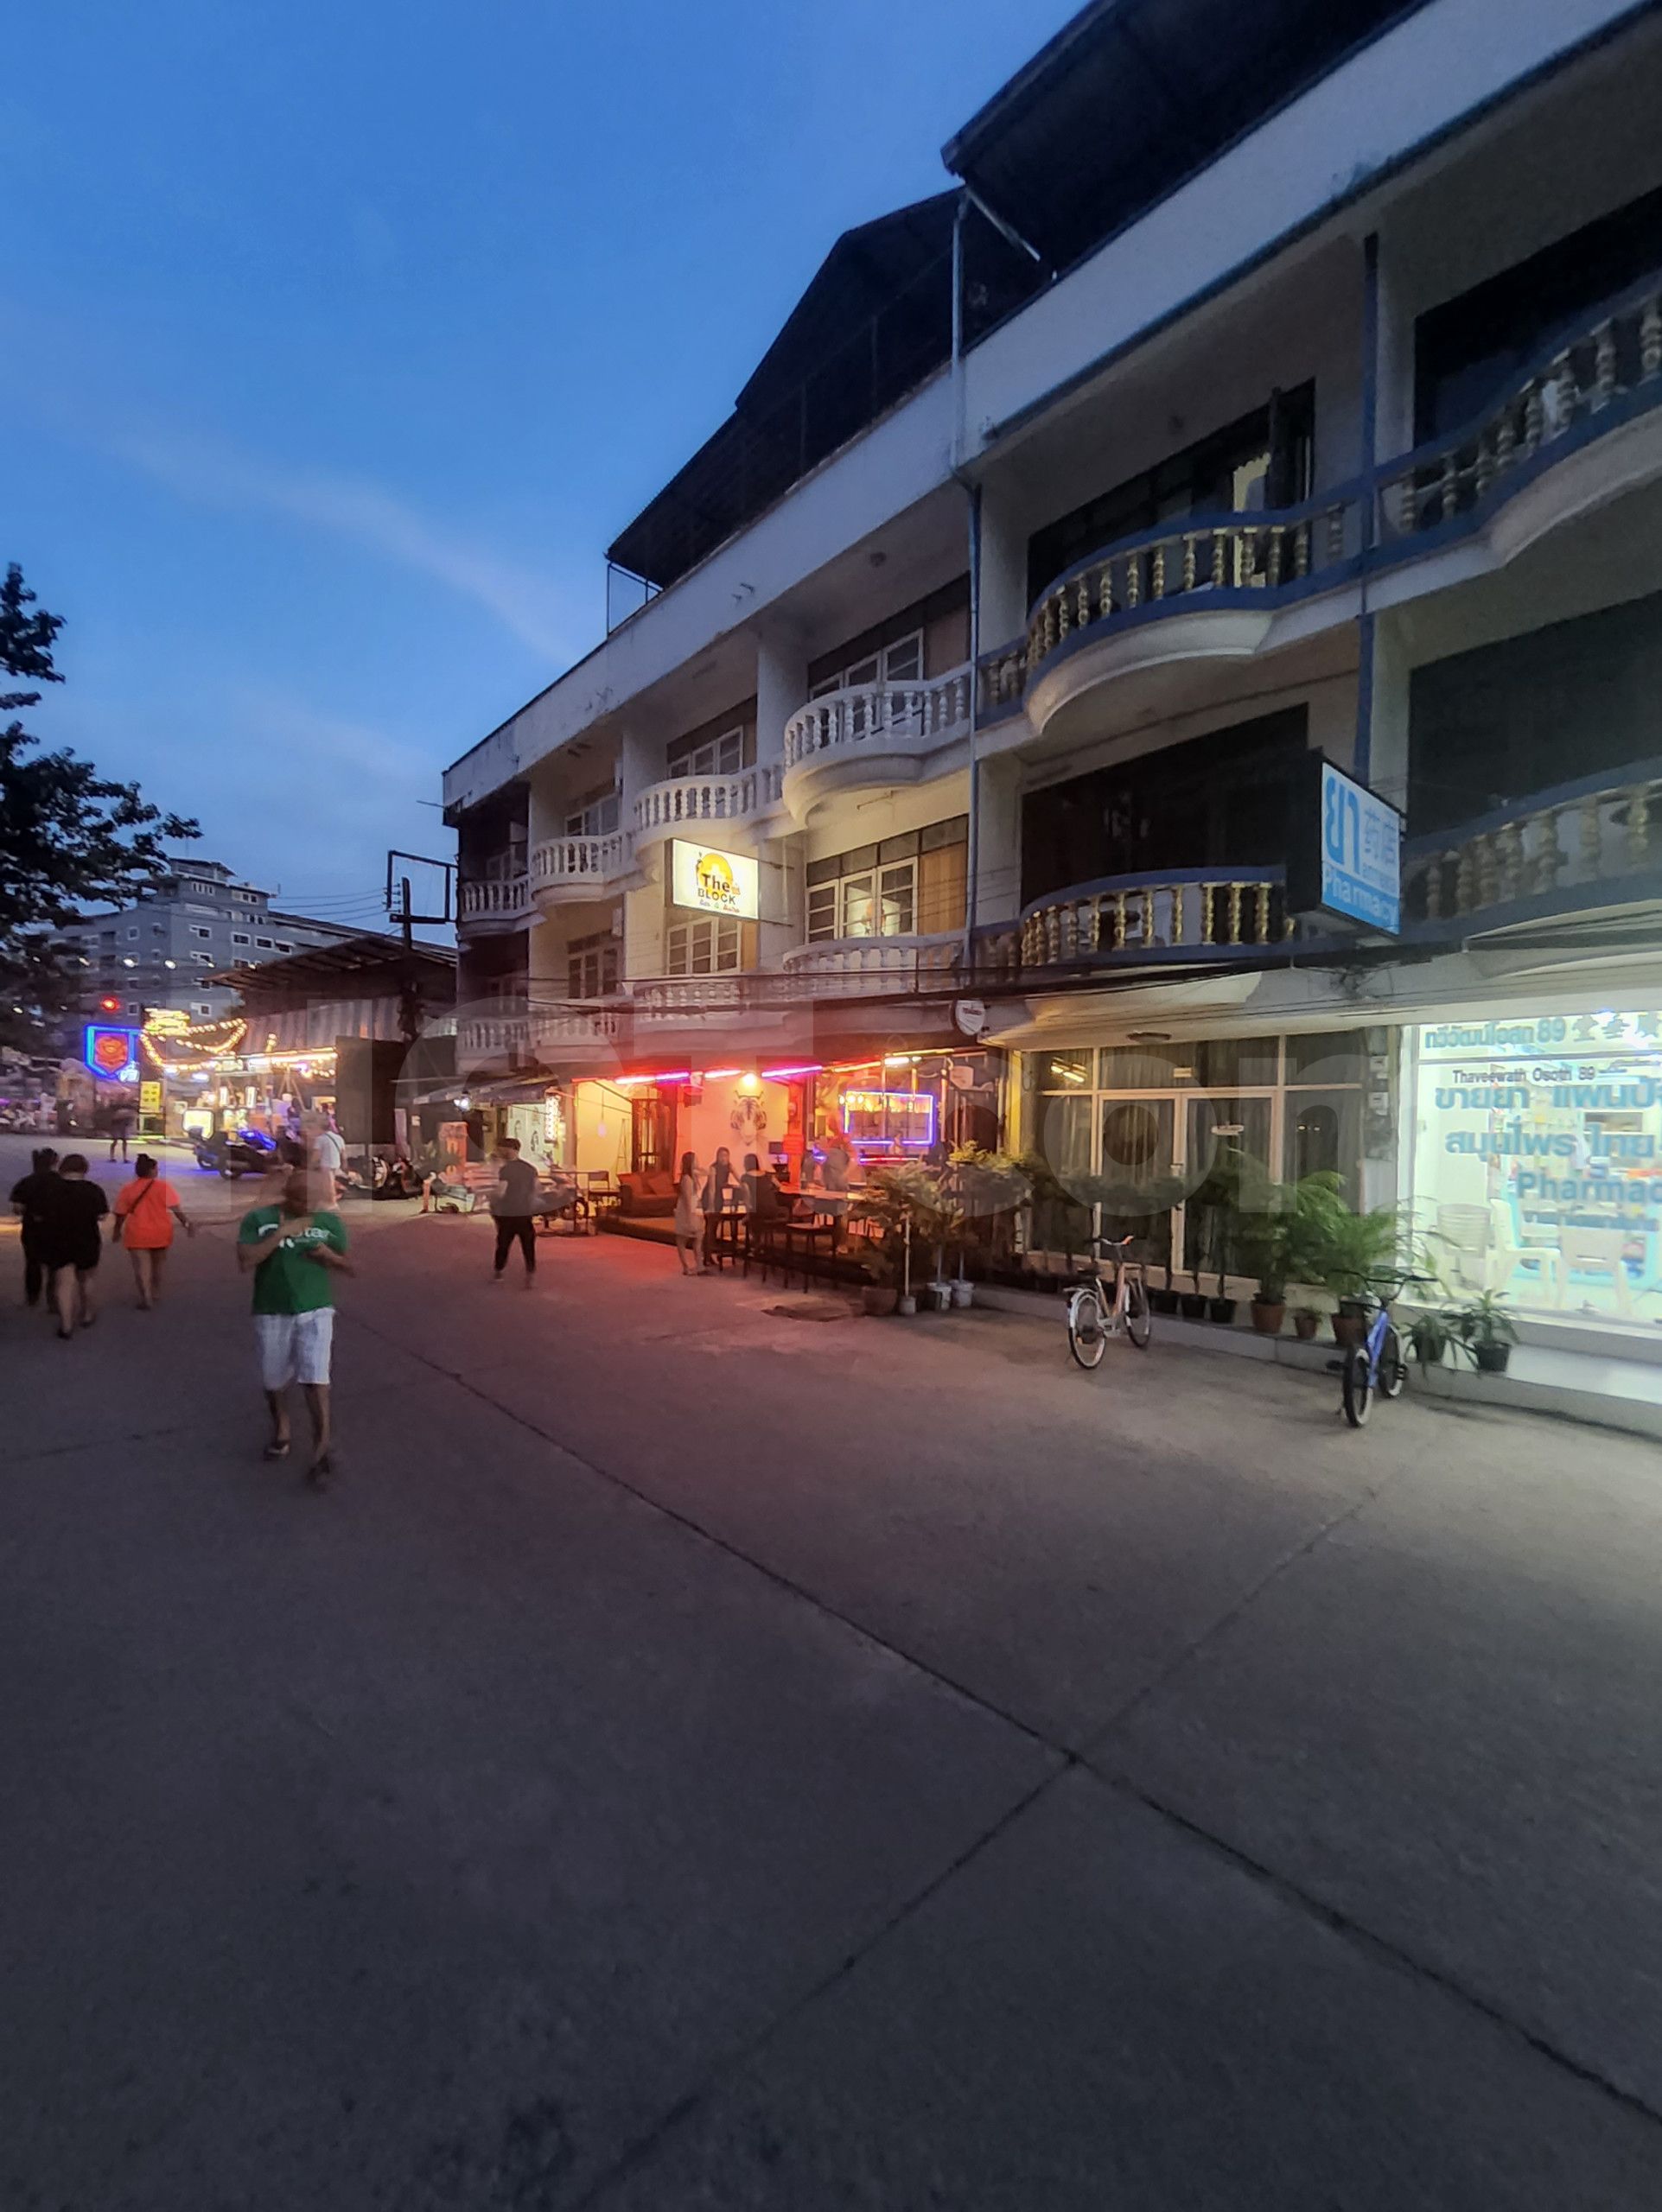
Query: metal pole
[
  {"x": 1362, "y": 760},
  {"x": 974, "y": 858}
]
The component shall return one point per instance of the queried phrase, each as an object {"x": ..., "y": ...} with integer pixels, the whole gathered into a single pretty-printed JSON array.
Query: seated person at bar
[{"x": 762, "y": 1199}]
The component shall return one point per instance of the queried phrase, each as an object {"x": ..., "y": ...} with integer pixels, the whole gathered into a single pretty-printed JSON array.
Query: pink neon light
[
  {"x": 715, "y": 1075},
  {"x": 779, "y": 1075},
  {"x": 674, "y": 1074}
]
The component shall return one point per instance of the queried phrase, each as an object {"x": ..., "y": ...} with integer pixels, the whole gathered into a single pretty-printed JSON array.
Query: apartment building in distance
[
  {"x": 1261, "y": 434},
  {"x": 162, "y": 950}
]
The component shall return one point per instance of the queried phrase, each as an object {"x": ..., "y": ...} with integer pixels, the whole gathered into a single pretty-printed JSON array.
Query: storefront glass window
[
  {"x": 1066, "y": 1072},
  {"x": 1537, "y": 1159}
]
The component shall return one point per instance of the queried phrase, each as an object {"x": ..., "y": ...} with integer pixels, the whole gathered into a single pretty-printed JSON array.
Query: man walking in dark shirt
[{"x": 513, "y": 1204}]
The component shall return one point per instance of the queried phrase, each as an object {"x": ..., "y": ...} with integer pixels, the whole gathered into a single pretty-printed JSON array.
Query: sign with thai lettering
[
  {"x": 714, "y": 883},
  {"x": 1345, "y": 864}
]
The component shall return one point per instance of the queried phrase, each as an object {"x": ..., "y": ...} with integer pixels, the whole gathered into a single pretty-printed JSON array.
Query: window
[
  {"x": 202, "y": 1005},
  {"x": 281, "y": 946},
  {"x": 239, "y": 937},
  {"x": 594, "y": 815},
  {"x": 263, "y": 942},
  {"x": 203, "y": 959},
  {"x": 899, "y": 662},
  {"x": 197, "y": 930},
  {"x": 132, "y": 1006},
  {"x": 591, "y": 966},
  {"x": 704, "y": 947},
  {"x": 157, "y": 929},
  {"x": 913, "y": 884},
  {"x": 709, "y": 756}
]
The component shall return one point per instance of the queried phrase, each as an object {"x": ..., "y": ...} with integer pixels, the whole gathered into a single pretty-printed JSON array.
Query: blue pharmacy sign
[{"x": 1346, "y": 861}]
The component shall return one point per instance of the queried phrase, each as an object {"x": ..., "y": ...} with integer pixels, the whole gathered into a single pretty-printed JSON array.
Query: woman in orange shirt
[{"x": 146, "y": 1210}]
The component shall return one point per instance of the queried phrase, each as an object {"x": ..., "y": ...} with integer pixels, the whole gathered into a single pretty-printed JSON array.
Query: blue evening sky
[{"x": 337, "y": 341}]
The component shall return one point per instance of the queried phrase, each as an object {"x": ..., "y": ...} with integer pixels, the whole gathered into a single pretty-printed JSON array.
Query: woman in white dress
[{"x": 689, "y": 1218}]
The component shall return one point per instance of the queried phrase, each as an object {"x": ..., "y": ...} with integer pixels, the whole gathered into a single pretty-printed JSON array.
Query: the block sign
[
  {"x": 714, "y": 883},
  {"x": 1346, "y": 862}
]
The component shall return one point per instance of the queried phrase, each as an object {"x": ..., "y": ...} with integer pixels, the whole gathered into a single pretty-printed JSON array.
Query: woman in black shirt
[
  {"x": 71, "y": 1208},
  {"x": 25, "y": 1198}
]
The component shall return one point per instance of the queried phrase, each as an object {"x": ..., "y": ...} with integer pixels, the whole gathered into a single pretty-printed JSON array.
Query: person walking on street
[
  {"x": 328, "y": 1154},
  {"x": 25, "y": 1195},
  {"x": 121, "y": 1127},
  {"x": 294, "y": 1251},
  {"x": 146, "y": 1210},
  {"x": 718, "y": 1193},
  {"x": 70, "y": 1209},
  {"x": 835, "y": 1174},
  {"x": 689, "y": 1223},
  {"x": 513, "y": 1206}
]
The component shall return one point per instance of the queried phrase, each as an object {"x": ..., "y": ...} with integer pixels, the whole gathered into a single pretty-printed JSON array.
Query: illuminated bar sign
[
  {"x": 890, "y": 1121},
  {"x": 714, "y": 883},
  {"x": 112, "y": 1053}
]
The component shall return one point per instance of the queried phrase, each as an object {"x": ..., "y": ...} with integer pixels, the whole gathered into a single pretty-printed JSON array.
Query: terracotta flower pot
[
  {"x": 1268, "y": 1314},
  {"x": 1305, "y": 1325},
  {"x": 879, "y": 1299},
  {"x": 1348, "y": 1329}
]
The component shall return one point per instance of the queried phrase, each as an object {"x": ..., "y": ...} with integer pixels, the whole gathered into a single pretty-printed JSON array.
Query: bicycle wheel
[
  {"x": 1139, "y": 1321},
  {"x": 1358, "y": 1386},
  {"x": 1087, "y": 1339},
  {"x": 1393, "y": 1365}
]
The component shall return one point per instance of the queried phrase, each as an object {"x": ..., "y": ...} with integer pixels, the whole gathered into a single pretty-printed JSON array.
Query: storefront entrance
[{"x": 1154, "y": 1117}]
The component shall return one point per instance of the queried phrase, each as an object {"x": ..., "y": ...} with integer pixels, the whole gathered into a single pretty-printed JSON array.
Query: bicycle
[
  {"x": 1127, "y": 1312},
  {"x": 1378, "y": 1364}
]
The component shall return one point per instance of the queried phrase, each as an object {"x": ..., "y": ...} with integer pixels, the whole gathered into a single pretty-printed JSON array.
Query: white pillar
[
  {"x": 1004, "y": 572},
  {"x": 782, "y": 685}
]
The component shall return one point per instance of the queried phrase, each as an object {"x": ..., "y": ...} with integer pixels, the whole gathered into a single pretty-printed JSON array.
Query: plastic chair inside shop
[
  {"x": 1539, "y": 1264},
  {"x": 1463, "y": 1235},
  {"x": 1592, "y": 1255}
]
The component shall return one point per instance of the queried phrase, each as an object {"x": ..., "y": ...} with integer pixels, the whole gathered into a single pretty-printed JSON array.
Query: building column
[
  {"x": 1004, "y": 595},
  {"x": 782, "y": 685}
]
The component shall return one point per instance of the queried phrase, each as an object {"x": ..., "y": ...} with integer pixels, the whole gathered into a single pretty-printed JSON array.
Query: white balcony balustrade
[
  {"x": 700, "y": 805},
  {"x": 1199, "y": 913},
  {"x": 872, "y": 733},
  {"x": 860, "y": 967},
  {"x": 578, "y": 868},
  {"x": 504, "y": 898}
]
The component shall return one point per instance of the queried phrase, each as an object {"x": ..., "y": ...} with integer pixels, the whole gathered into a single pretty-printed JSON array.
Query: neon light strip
[{"x": 784, "y": 1075}]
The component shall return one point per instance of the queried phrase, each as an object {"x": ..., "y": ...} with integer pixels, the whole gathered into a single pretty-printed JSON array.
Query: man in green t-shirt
[{"x": 292, "y": 1251}]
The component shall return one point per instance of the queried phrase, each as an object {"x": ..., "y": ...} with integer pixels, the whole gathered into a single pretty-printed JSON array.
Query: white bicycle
[{"x": 1098, "y": 1308}]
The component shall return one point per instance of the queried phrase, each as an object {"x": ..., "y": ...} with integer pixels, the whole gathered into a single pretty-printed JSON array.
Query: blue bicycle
[{"x": 1378, "y": 1364}]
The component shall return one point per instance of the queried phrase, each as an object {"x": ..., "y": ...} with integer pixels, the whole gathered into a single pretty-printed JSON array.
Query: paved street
[{"x": 706, "y": 1755}]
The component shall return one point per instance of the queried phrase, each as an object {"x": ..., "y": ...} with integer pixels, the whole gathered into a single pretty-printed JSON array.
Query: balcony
[
  {"x": 871, "y": 733},
  {"x": 1578, "y": 848},
  {"x": 1179, "y": 916},
  {"x": 550, "y": 1036},
  {"x": 1576, "y": 430},
  {"x": 872, "y": 967},
  {"x": 503, "y": 900},
  {"x": 706, "y": 806},
  {"x": 563, "y": 869}
]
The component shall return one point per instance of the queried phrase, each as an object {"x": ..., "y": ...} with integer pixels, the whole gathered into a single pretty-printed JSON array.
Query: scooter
[{"x": 238, "y": 1153}]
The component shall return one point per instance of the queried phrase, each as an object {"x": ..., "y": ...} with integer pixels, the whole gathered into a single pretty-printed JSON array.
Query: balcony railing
[
  {"x": 1603, "y": 370},
  {"x": 491, "y": 1035},
  {"x": 578, "y": 863},
  {"x": 698, "y": 803},
  {"x": 1212, "y": 560},
  {"x": 1203, "y": 912},
  {"x": 1603, "y": 831},
  {"x": 864, "y": 967},
  {"x": 1586, "y": 383},
  {"x": 496, "y": 898},
  {"x": 861, "y": 712},
  {"x": 542, "y": 1030}
]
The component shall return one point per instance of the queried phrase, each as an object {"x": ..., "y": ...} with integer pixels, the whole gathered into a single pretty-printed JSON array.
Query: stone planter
[
  {"x": 879, "y": 1299},
  {"x": 964, "y": 1292}
]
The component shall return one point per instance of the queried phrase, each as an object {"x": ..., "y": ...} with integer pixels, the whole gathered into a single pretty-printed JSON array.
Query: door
[
  {"x": 1226, "y": 1138},
  {"x": 1136, "y": 1153}
]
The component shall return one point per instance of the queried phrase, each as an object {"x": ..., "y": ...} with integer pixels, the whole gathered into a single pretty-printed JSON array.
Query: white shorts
[{"x": 294, "y": 1347}]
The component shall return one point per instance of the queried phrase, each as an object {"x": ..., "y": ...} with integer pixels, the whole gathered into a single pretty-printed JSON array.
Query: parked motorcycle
[{"x": 236, "y": 1153}]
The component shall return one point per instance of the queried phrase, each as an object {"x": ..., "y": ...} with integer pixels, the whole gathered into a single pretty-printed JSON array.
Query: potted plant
[
  {"x": 1306, "y": 1322},
  {"x": 1430, "y": 1337},
  {"x": 1484, "y": 1331},
  {"x": 1191, "y": 1304},
  {"x": 1352, "y": 1248},
  {"x": 907, "y": 1205},
  {"x": 991, "y": 1189}
]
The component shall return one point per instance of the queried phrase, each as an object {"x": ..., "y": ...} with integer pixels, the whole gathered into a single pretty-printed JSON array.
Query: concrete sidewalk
[{"x": 703, "y": 1756}]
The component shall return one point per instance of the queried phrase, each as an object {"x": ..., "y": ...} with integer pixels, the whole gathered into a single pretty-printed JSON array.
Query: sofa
[{"x": 643, "y": 1195}]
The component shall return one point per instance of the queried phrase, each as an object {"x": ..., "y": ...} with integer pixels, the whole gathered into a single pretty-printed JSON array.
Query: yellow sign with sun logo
[{"x": 714, "y": 883}]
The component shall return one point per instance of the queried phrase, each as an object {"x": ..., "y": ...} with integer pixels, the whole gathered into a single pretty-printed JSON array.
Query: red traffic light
[{"x": 110, "y": 1006}]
